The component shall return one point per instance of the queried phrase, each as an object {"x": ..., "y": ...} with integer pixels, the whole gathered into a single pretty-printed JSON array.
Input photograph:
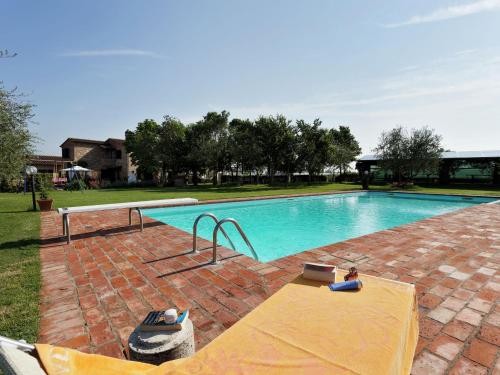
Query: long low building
[{"x": 457, "y": 166}]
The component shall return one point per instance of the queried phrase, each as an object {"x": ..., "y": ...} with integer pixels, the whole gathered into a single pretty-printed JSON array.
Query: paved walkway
[{"x": 97, "y": 289}]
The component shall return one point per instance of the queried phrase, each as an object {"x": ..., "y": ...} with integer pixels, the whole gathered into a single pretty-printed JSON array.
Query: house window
[
  {"x": 65, "y": 153},
  {"x": 118, "y": 154}
]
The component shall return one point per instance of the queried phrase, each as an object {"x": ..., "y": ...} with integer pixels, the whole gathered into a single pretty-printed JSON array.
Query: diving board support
[
  {"x": 139, "y": 212},
  {"x": 138, "y": 206},
  {"x": 66, "y": 232}
]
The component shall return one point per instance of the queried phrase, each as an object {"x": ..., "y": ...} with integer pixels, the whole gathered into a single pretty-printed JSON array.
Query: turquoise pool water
[{"x": 280, "y": 227}]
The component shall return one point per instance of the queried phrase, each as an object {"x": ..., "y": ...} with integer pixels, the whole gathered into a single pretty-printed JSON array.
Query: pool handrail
[
  {"x": 195, "y": 230},
  {"x": 243, "y": 235}
]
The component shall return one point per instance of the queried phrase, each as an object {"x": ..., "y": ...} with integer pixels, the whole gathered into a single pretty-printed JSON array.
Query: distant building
[
  {"x": 48, "y": 163},
  {"x": 458, "y": 166},
  {"x": 108, "y": 158}
]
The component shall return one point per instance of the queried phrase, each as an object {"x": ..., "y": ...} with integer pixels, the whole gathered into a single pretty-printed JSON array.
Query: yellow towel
[{"x": 302, "y": 329}]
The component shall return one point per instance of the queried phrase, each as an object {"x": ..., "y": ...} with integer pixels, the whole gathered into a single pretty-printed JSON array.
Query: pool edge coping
[
  {"x": 243, "y": 199},
  {"x": 282, "y": 196}
]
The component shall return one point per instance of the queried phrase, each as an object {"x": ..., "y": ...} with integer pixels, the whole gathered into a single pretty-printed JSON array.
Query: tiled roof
[
  {"x": 114, "y": 142},
  {"x": 46, "y": 160},
  {"x": 47, "y": 157}
]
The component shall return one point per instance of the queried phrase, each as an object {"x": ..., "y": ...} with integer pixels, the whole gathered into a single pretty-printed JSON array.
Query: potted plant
[{"x": 44, "y": 201}]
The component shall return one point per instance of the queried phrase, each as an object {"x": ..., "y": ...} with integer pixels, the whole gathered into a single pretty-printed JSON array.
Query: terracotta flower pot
[{"x": 45, "y": 204}]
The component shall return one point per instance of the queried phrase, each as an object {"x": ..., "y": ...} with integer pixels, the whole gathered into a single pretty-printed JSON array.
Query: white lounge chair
[
  {"x": 137, "y": 206},
  {"x": 16, "y": 358}
]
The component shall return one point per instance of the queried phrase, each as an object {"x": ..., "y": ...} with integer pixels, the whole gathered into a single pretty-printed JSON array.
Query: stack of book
[{"x": 155, "y": 321}]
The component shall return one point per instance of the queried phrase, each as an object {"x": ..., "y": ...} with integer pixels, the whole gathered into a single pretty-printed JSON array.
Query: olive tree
[
  {"x": 344, "y": 148},
  {"x": 408, "y": 153},
  {"x": 16, "y": 140}
]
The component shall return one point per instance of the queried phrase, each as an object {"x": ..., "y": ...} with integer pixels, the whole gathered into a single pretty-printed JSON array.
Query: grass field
[
  {"x": 19, "y": 267},
  {"x": 19, "y": 235}
]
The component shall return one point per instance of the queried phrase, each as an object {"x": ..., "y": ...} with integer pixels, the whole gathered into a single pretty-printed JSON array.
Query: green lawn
[
  {"x": 19, "y": 235},
  {"x": 465, "y": 189},
  {"x": 19, "y": 267}
]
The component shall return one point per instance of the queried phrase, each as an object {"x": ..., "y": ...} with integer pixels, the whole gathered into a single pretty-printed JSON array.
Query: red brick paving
[{"x": 96, "y": 289}]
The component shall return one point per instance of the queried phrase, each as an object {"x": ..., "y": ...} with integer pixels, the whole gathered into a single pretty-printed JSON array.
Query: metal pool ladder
[
  {"x": 195, "y": 230},
  {"x": 216, "y": 231}
]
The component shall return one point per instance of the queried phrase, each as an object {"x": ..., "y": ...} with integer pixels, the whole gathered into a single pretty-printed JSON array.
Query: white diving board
[{"x": 65, "y": 211}]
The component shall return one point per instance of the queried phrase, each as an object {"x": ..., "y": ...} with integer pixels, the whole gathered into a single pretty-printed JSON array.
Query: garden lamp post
[{"x": 32, "y": 171}]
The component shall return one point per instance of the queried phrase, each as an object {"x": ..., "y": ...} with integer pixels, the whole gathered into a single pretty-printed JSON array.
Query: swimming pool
[{"x": 284, "y": 226}]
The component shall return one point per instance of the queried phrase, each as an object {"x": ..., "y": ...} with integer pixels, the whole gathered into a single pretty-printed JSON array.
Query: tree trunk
[
  {"x": 444, "y": 172},
  {"x": 163, "y": 180},
  {"x": 239, "y": 176},
  {"x": 496, "y": 174},
  {"x": 195, "y": 177}
]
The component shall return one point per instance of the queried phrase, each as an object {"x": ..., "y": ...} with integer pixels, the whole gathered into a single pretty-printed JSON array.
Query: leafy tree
[
  {"x": 171, "y": 148},
  {"x": 142, "y": 145},
  {"x": 243, "y": 147},
  {"x": 344, "y": 148},
  {"x": 195, "y": 159},
  {"x": 275, "y": 138},
  {"x": 313, "y": 147},
  {"x": 16, "y": 140},
  {"x": 211, "y": 143},
  {"x": 407, "y": 154},
  {"x": 289, "y": 162}
]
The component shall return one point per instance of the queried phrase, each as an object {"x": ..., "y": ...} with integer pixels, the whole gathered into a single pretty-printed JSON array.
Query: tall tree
[
  {"x": 243, "y": 147},
  {"x": 195, "y": 158},
  {"x": 171, "y": 148},
  {"x": 289, "y": 160},
  {"x": 16, "y": 140},
  {"x": 214, "y": 140},
  {"x": 344, "y": 148},
  {"x": 313, "y": 147},
  {"x": 274, "y": 136},
  {"x": 142, "y": 145},
  {"x": 408, "y": 153}
]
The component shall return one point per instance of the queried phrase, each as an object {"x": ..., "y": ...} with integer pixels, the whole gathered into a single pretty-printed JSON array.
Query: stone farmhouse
[{"x": 108, "y": 158}]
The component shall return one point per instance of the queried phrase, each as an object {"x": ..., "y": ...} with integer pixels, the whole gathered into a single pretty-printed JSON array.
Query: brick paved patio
[{"x": 96, "y": 289}]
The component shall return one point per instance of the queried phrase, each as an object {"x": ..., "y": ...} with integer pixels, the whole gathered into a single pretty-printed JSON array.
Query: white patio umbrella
[{"x": 75, "y": 168}]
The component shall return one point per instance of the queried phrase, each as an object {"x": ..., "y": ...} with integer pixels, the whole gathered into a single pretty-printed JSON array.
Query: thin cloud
[
  {"x": 450, "y": 12},
  {"x": 453, "y": 79},
  {"x": 111, "y": 53}
]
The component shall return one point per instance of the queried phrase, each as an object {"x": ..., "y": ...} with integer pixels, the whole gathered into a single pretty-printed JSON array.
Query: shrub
[
  {"x": 44, "y": 185},
  {"x": 76, "y": 184}
]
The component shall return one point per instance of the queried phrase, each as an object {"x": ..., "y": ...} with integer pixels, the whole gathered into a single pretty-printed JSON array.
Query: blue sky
[{"x": 96, "y": 68}]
